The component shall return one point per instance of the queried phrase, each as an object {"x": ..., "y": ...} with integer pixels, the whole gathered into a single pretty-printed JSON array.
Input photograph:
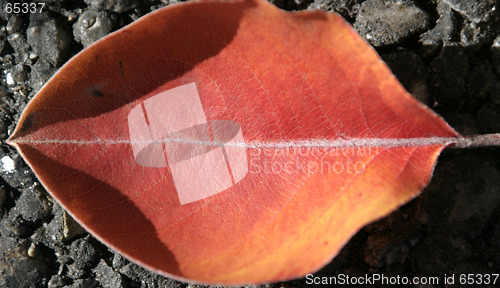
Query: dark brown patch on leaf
[
  {"x": 28, "y": 122},
  {"x": 121, "y": 69},
  {"x": 95, "y": 92}
]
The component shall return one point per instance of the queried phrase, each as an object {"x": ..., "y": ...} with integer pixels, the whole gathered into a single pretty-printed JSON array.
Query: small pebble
[
  {"x": 9, "y": 79},
  {"x": 118, "y": 261},
  {"x": 91, "y": 26},
  {"x": 83, "y": 252},
  {"x": 32, "y": 250},
  {"x": 107, "y": 276},
  {"x": 8, "y": 165},
  {"x": 19, "y": 73},
  {"x": 14, "y": 24},
  {"x": 71, "y": 228}
]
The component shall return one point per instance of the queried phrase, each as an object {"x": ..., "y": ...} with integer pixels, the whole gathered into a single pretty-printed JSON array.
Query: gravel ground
[{"x": 445, "y": 52}]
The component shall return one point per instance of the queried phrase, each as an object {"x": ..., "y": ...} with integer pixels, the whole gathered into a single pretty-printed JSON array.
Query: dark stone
[
  {"x": 33, "y": 205},
  {"x": 389, "y": 22}
]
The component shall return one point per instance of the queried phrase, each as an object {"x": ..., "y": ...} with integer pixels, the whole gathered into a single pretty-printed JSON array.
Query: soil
[{"x": 445, "y": 52}]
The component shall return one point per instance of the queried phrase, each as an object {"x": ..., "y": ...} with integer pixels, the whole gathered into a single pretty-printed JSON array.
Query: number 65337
[{"x": 24, "y": 8}]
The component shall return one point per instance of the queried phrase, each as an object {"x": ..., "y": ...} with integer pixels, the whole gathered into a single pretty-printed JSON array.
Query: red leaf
[{"x": 319, "y": 139}]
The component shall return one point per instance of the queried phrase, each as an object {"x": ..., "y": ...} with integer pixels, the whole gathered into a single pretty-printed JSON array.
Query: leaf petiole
[{"x": 477, "y": 141}]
